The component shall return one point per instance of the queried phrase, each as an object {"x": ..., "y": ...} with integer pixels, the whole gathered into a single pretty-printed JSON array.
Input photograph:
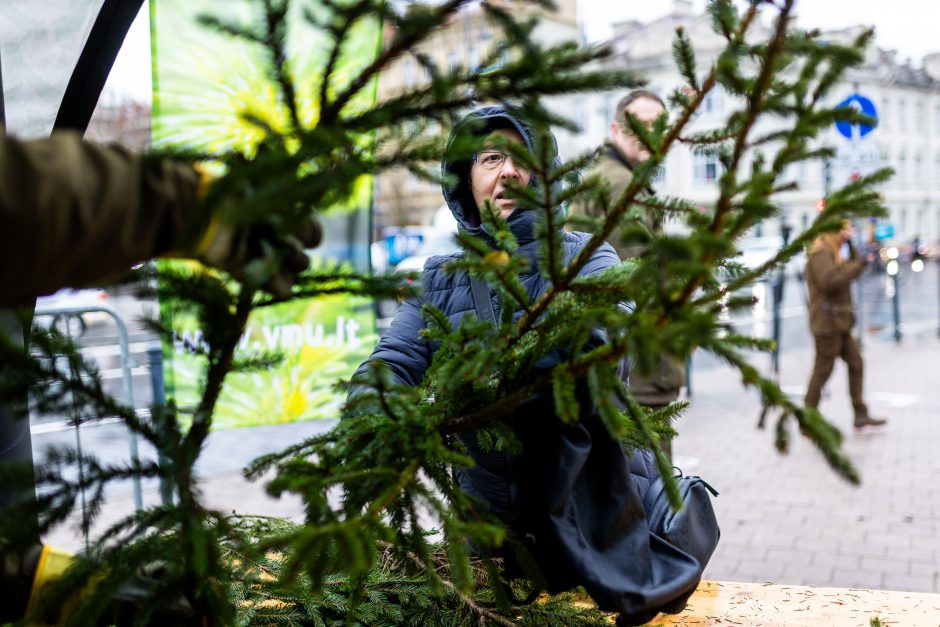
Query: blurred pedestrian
[{"x": 830, "y": 269}]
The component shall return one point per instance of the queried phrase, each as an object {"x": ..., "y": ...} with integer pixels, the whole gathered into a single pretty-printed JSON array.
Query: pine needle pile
[{"x": 363, "y": 554}]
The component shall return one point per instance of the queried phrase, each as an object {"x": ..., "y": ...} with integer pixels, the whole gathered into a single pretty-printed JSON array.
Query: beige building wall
[
  {"x": 907, "y": 98},
  {"x": 467, "y": 41}
]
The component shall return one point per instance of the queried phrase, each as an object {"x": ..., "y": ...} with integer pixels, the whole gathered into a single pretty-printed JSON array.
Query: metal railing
[{"x": 78, "y": 311}]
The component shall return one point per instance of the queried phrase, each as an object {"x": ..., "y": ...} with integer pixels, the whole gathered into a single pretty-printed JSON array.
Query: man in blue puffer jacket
[
  {"x": 487, "y": 175},
  {"x": 600, "y": 542}
]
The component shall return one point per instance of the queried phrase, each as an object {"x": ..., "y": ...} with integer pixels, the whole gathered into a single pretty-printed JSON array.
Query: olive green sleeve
[{"x": 74, "y": 214}]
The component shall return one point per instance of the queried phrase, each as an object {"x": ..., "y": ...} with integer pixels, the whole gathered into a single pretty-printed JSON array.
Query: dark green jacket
[
  {"x": 72, "y": 213},
  {"x": 663, "y": 385},
  {"x": 614, "y": 168}
]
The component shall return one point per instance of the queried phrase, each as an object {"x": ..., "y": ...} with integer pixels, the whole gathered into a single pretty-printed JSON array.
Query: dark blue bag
[
  {"x": 694, "y": 527},
  {"x": 577, "y": 503}
]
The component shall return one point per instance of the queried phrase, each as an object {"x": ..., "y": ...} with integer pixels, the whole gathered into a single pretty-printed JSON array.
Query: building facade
[
  {"x": 907, "y": 138},
  {"x": 467, "y": 41}
]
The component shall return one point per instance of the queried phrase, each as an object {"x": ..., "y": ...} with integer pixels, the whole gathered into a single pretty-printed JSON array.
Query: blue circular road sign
[{"x": 862, "y": 105}]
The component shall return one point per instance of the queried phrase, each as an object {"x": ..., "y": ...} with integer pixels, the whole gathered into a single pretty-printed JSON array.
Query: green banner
[{"x": 203, "y": 82}]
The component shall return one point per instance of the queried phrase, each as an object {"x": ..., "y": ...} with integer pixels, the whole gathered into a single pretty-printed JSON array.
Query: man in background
[{"x": 621, "y": 153}]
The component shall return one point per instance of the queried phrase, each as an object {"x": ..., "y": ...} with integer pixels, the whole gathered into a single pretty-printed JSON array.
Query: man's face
[
  {"x": 492, "y": 169},
  {"x": 646, "y": 110},
  {"x": 846, "y": 232}
]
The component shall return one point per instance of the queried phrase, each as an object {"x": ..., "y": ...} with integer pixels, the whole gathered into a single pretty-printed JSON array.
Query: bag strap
[{"x": 480, "y": 290}]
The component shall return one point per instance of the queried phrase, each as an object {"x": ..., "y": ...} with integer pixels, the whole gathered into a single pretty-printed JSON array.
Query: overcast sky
[{"x": 909, "y": 26}]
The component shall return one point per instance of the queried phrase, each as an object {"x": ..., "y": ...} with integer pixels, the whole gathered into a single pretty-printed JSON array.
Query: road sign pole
[{"x": 896, "y": 306}]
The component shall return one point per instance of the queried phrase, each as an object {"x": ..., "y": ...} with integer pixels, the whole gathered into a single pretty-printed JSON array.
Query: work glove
[{"x": 260, "y": 253}]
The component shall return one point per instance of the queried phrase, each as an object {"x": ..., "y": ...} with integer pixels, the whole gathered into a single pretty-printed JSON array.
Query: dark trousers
[{"x": 828, "y": 347}]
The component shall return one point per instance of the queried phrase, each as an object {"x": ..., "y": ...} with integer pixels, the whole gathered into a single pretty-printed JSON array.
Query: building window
[
  {"x": 902, "y": 168},
  {"x": 902, "y": 221},
  {"x": 936, "y": 119},
  {"x": 918, "y": 169},
  {"x": 581, "y": 118},
  {"x": 884, "y": 116},
  {"x": 415, "y": 184},
  {"x": 902, "y": 114},
  {"x": 610, "y": 103},
  {"x": 453, "y": 60},
  {"x": 919, "y": 115},
  {"x": 473, "y": 57},
  {"x": 936, "y": 171},
  {"x": 410, "y": 74},
  {"x": 484, "y": 34},
  {"x": 804, "y": 221},
  {"x": 713, "y": 103},
  {"x": 707, "y": 168}
]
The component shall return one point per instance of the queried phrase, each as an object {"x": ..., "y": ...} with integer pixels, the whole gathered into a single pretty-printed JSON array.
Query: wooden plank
[{"x": 764, "y": 605}]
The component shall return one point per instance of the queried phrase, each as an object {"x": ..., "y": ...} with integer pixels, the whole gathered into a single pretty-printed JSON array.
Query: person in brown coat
[{"x": 829, "y": 278}]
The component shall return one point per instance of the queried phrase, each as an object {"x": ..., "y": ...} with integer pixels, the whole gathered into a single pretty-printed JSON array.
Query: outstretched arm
[
  {"x": 401, "y": 348},
  {"x": 73, "y": 213}
]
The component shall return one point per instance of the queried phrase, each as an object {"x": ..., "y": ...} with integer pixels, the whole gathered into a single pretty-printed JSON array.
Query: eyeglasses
[{"x": 491, "y": 159}]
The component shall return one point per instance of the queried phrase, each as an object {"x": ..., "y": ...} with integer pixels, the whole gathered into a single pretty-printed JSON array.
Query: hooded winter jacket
[
  {"x": 571, "y": 495},
  {"x": 408, "y": 355}
]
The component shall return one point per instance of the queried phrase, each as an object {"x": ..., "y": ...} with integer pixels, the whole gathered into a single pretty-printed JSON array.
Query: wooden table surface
[{"x": 733, "y": 603}]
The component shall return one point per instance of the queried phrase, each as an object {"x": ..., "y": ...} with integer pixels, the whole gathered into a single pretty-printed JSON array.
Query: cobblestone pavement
[
  {"x": 786, "y": 519},
  {"x": 789, "y": 518}
]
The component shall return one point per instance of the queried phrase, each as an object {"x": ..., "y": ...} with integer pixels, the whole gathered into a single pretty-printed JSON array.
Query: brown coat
[
  {"x": 663, "y": 385},
  {"x": 830, "y": 295},
  {"x": 72, "y": 213}
]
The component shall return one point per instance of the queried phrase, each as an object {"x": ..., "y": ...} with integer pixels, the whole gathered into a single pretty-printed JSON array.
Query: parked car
[
  {"x": 436, "y": 242},
  {"x": 73, "y": 325}
]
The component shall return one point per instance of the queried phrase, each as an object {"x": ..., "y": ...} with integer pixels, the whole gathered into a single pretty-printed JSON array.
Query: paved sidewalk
[
  {"x": 790, "y": 519},
  {"x": 786, "y": 519}
]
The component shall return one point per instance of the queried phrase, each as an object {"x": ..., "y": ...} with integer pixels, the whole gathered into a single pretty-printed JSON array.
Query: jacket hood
[{"x": 456, "y": 170}]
